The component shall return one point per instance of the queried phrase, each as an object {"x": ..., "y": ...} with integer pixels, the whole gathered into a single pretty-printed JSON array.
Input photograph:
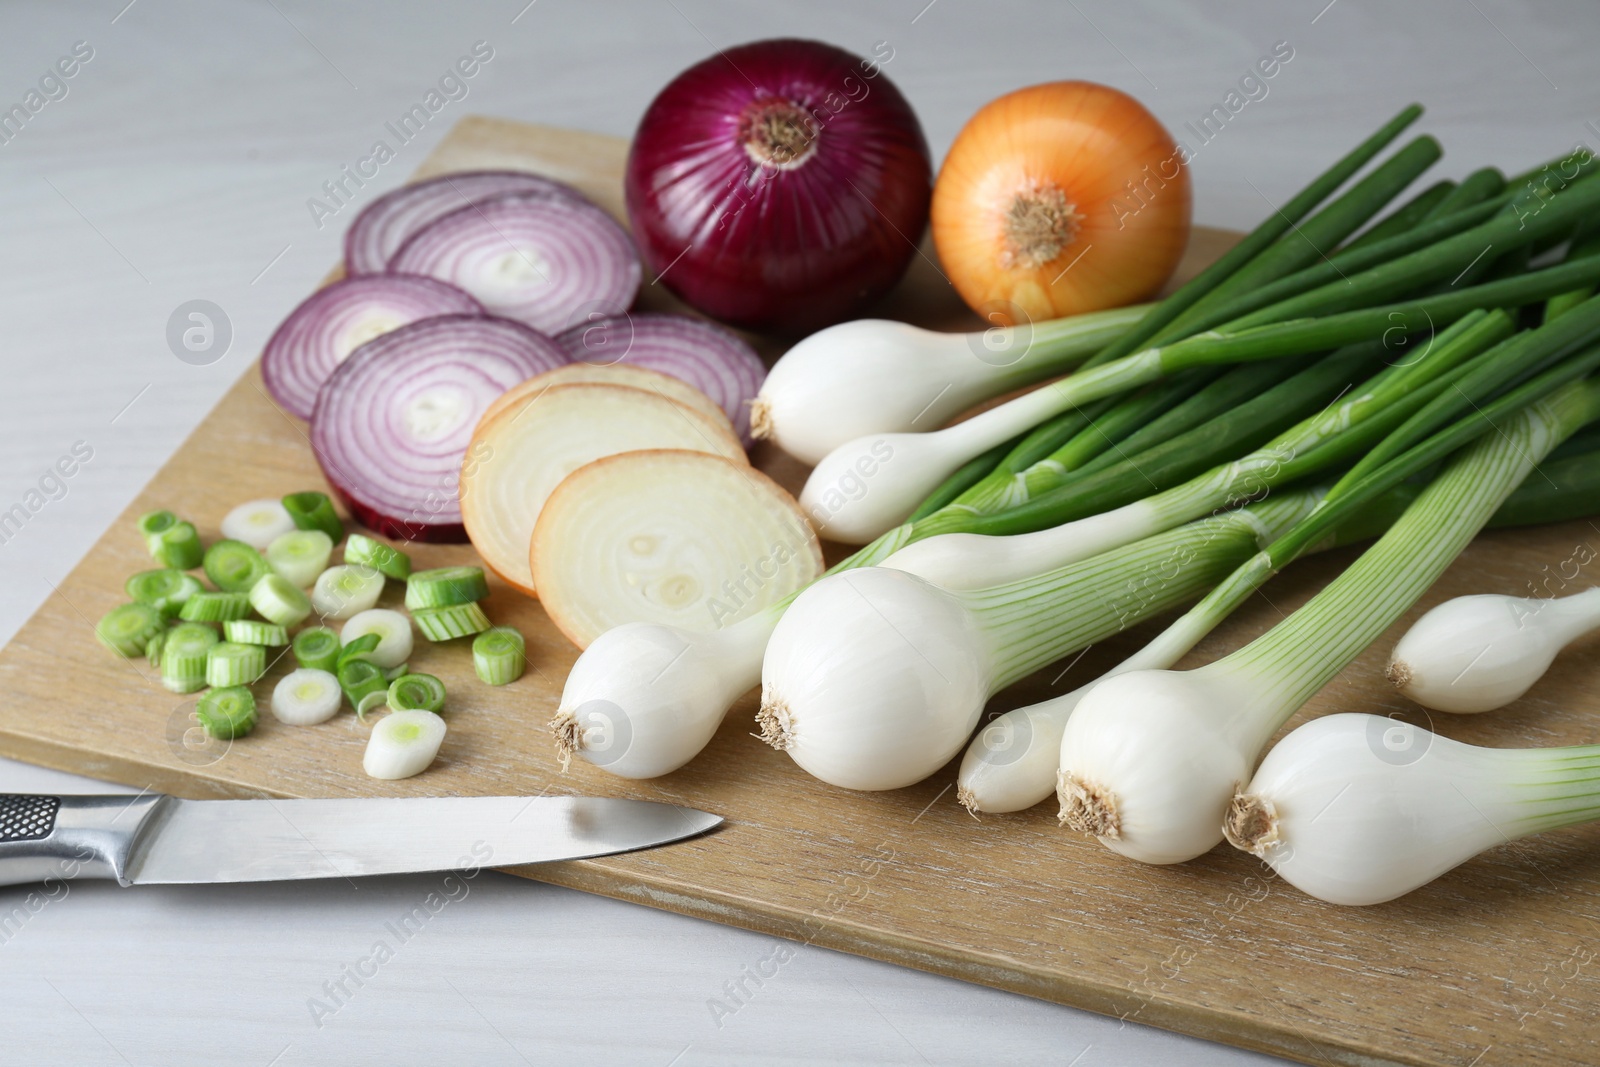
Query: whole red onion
[{"x": 780, "y": 185}]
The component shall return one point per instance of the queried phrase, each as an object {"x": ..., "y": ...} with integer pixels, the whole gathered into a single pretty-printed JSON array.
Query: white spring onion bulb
[
  {"x": 403, "y": 743},
  {"x": 394, "y": 635},
  {"x": 1477, "y": 653},
  {"x": 306, "y": 697},
  {"x": 644, "y": 698},
  {"x": 874, "y": 678},
  {"x": 1359, "y": 809},
  {"x": 876, "y": 376},
  {"x": 1150, "y": 759},
  {"x": 871, "y": 484},
  {"x": 300, "y": 555},
  {"x": 257, "y": 523},
  {"x": 346, "y": 590}
]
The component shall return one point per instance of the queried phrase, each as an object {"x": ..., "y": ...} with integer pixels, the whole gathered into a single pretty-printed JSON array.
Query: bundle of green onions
[{"x": 1278, "y": 367}]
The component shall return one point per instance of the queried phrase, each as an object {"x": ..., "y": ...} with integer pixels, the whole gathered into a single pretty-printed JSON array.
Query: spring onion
[
  {"x": 370, "y": 552},
  {"x": 878, "y": 376},
  {"x": 300, "y": 555},
  {"x": 358, "y": 678},
  {"x": 165, "y": 589},
  {"x": 312, "y": 510},
  {"x": 251, "y": 632},
  {"x": 1359, "y": 809},
  {"x": 392, "y": 631},
  {"x": 359, "y": 647},
  {"x": 305, "y": 697},
  {"x": 257, "y": 523},
  {"x": 372, "y": 700},
  {"x": 317, "y": 648},
  {"x": 1149, "y": 759},
  {"x": 346, "y": 590},
  {"x": 898, "y": 470},
  {"x": 152, "y": 648},
  {"x": 403, "y": 743},
  {"x": 208, "y": 606},
  {"x": 397, "y": 672},
  {"x": 127, "y": 628},
  {"x": 228, "y": 712},
  {"x": 234, "y": 566},
  {"x": 230, "y": 663},
  {"x": 411, "y": 692},
  {"x": 874, "y": 678},
  {"x": 1477, "y": 653},
  {"x": 183, "y": 656},
  {"x": 279, "y": 600},
  {"x": 444, "y": 624},
  {"x": 499, "y": 655},
  {"x": 443, "y": 587},
  {"x": 171, "y": 541}
]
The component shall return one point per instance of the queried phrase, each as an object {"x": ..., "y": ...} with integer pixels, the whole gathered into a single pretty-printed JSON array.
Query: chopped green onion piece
[
  {"x": 230, "y": 663},
  {"x": 155, "y": 522},
  {"x": 250, "y": 632},
  {"x": 443, "y": 587},
  {"x": 312, "y": 510},
  {"x": 391, "y": 562},
  {"x": 443, "y": 624},
  {"x": 300, "y": 555},
  {"x": 317, "y": 648},
  {"x": 152, "y": 649},
  {"x": 416, "y": 692},
  {"x": 228, "y": 712},
  {"x": 207, "y": 606},
  {"x": 358, "y": 648},
  {"x": 358, "y": 678},
  {"x": 346, "y": 590},
  {"x": 234, "y": 566},
  {"x": 306, "y": 697},
  {"x": 128, "y": 628},
  {"x": 499, "y": 655},
  {"x": 176, "y": 546},
  {"x": 374, "y": 699},
  {"x": 165, "y": 589},
  {"x": 183, "y": 656},
  {"x": 278, "y": 600},
  {"x": 397, "y": 672}
]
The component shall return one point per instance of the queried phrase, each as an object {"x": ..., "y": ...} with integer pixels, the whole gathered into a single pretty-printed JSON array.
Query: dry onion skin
[
  {"x": 677, "y": 538},
  {"x": 650, "y": 381},
  {"x": 517, "y": 458},
  {"x": 1059, "y": 199}
]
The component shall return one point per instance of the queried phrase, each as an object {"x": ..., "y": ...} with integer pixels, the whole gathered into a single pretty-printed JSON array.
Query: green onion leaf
[
  {"x": 357, "y": 649},
  {"x": 165, "y": 589},
  {"x": 230, "y": 663},
  {"x": 445, "y": 586},
  {"x": 499, "y": 655},
  {"x": 364, "y": 550},
  {"x": 234, "y": 566},
  {"x": 128, "y": 628},
  {"x": 155, "y": 522},
  {"x": 312, "y": 510},
  {"x": 358, "y": 678},
  {"x": 177, "y": 546},
  {"x": 376, "y": 698},
  {"x": 317, "y": 648},
  {"x": 250, "y": 632},
  {"x": 183, "y": 656},
  {"x": 415, "y": 692},
  {"x": 207, "y": 606},
  {"x": 278, "y": 600},
  {"x": 227, "y": 713},
  {"x": 443, "y": 624},
  {"x": 152, "y": 649}
]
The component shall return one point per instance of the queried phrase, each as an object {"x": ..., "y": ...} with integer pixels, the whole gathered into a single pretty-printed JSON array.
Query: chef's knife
[{"x": 153, "y": 839}]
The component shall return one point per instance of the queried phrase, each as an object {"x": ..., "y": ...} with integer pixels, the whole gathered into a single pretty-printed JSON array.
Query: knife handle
[{"x": 50, "y": 837}]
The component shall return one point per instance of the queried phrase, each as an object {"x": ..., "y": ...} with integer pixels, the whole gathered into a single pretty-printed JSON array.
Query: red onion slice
[
  {"x": 714, "y": 360},
  {"x": 385, "y": 224},
  {"x": 543, "y": 260},
  {"x": 392, "y": 424},
  {"x": 335, "y": 321}
]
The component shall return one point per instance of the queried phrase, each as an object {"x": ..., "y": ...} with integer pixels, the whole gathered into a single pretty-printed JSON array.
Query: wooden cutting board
[{"x": 1492, "y": 964}]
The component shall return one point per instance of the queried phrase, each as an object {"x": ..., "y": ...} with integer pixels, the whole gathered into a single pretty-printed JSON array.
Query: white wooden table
[{"x": 176, "y": 163}]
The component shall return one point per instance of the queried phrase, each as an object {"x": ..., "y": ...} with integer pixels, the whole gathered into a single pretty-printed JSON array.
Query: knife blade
[{"x": 153, "y": 839}]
